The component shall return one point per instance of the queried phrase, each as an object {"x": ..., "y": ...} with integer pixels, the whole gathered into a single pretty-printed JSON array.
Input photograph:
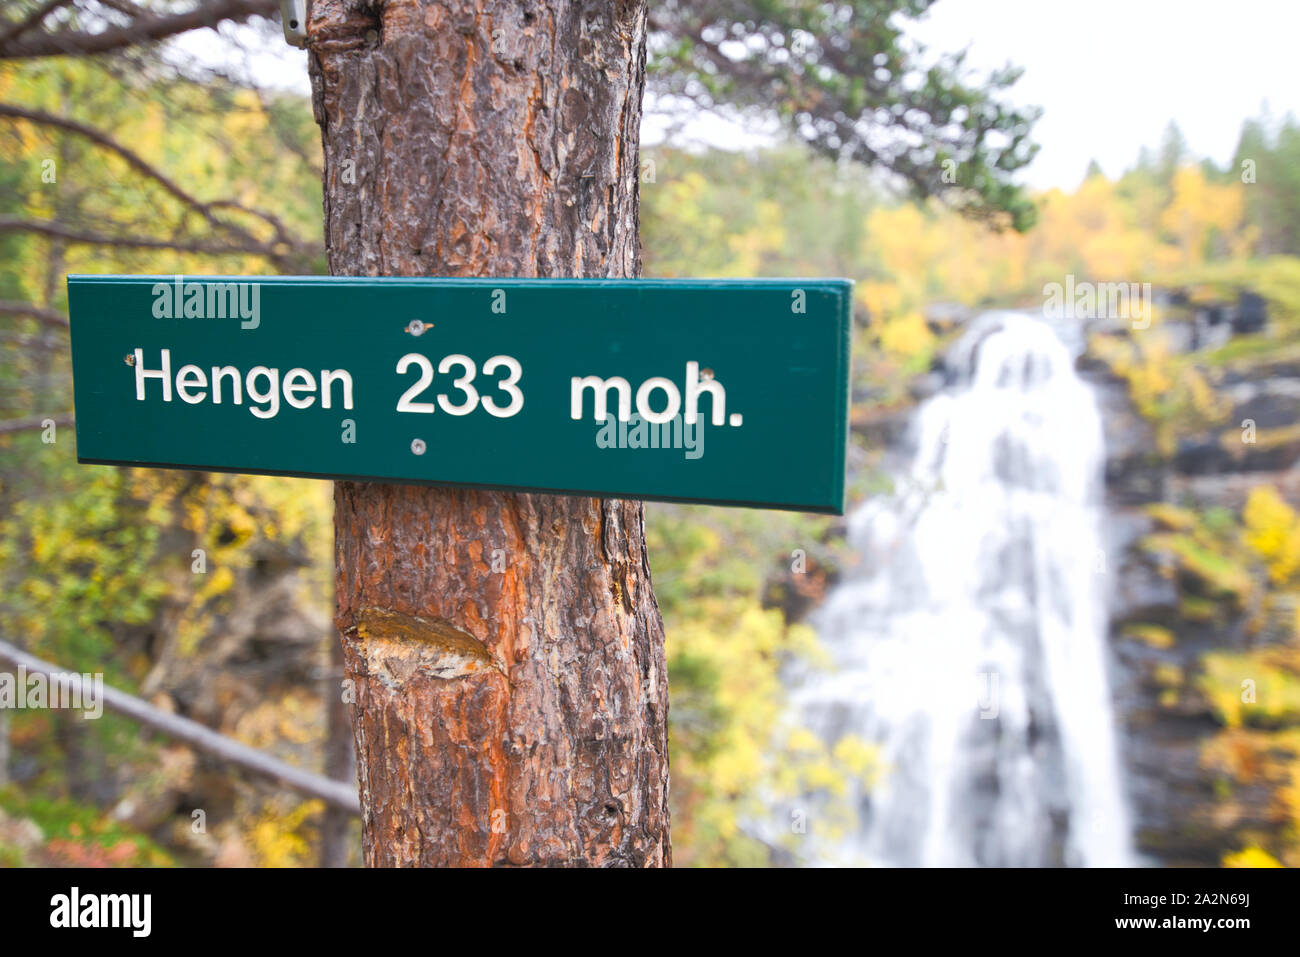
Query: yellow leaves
[
  {"x": 1172, "y": 517},
  {"x": 1272, "y": 530},
  {"x": 278, "y": 839},
  {"x": 148, "y": 133},
  {"x": 300, "y": 506},
  {"x": 735, "y": 642},
  {"x": 907, "y": 335},
  {"x": 1199, "y": 211},
  {"x": 725, "y": 656},
  {"x": 239, "y": 523},
  {"x": 801, "y": 642},
  {"x": 879, "y": 298},
  {"x": 931, "y": 253},
  {"x": 1259, "y": 687},
  {"x": 905, "y": 240},
  {"x": 1167, "y": 675},
  {"x": 1205, "y": 402},
  {"x": 38, "y": 589},
  {"x": 858, "y": 758},
  {"x": 1200, "y": 558},
  {"x": 187, "y": 140},
  {"x": 732, "y": 753},
  {"x": 1251, "y": 857},
  {"x": 219, "y": 581},
  {"x": 1254, "y": 694},
  {"x": 1289, "y": 793},
  {"x": 247, "y": 118},
  {"x": 230, "y": 517},
  {"x": 1102, "y": 232},
  {"x": 295, "y": 718},
  {"x": 1171, "y": 392},
  {"x": 813, "y": 770},
  {"x": 750, "y": 248},
  {"x": 1156, "y": 636}
]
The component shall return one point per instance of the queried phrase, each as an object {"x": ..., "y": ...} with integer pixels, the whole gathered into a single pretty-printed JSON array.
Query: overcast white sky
[{"x": 1110, "y": 74}]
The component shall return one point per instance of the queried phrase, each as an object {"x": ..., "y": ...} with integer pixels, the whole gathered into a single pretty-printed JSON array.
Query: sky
[{"x": 1109, "y": 74}]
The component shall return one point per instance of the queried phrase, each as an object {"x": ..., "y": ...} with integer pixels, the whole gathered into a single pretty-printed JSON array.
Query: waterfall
[{"x": 968, "y": 645}]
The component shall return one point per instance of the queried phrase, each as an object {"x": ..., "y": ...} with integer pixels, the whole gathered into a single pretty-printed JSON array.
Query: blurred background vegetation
[{"x": 196, "y": 172}]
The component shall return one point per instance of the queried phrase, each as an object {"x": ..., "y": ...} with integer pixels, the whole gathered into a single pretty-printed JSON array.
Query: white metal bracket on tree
[{"x": 293, "y": 17}]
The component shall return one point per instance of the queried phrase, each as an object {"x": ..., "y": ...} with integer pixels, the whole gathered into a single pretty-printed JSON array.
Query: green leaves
[{"x": 847, "y": 81}]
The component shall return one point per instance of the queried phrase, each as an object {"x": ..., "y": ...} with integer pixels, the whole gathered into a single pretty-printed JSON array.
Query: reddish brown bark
[{"x": 510, "y": 711}]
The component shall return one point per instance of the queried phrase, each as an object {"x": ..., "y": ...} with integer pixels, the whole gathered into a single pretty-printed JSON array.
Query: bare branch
[
  {"x": 147, "y": 169},
  {"x": 142, "y": 29},
  {"x": 123, "y": 6},
  {"x": 23, "y": 341},
  {"x": 34, "y": 422},
  {"x": 95, "y": 136},
  {"x": 45, "y": 227},
  {"x": 20, "y": 27},
  {"x": 50, "y": 317}
]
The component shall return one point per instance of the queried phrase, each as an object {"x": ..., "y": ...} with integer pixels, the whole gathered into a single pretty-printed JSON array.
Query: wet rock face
[
  {"x": 1159, "y": 749},
  {"x": 1260, "y": 433},
  {"x": 1134, "y": 473},
  {"x": 1251, "y": 314},
  {"x": 1185, "y": 810}
]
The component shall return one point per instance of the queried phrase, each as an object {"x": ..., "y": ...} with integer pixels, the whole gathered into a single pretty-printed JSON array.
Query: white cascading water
[{"x": 969, "y": 645}]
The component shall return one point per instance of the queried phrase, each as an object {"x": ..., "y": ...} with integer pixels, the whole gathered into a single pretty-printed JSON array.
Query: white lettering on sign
[
  {"x": 657, "y": 400},
  {"x": 697, "y": 384},
  {"x": 264, "y": 386},
  {"x": 601, "y": 389},
  {"x": 463, "y": 384}
]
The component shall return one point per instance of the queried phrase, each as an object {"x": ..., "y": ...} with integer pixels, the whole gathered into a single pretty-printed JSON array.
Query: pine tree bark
[{"x": 506, "y": 650}]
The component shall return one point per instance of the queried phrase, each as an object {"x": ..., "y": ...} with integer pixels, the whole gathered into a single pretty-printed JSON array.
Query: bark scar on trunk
[
  {"x": 340, "y": 25},
  {"x": 395, "y": 646}
]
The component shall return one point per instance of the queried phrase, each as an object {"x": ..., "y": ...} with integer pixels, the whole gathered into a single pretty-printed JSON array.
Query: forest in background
[{"x": 96, "y": 563}]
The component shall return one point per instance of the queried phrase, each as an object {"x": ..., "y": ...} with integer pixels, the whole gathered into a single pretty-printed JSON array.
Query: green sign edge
[{"x": 841, "y": 288}]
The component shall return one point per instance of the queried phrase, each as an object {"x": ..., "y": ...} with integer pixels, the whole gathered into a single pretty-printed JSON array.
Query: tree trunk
[{"x": 511, "y": 706}]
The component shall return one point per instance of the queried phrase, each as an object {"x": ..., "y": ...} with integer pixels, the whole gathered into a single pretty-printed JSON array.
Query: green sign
[{"x": 729, "y": 392}]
